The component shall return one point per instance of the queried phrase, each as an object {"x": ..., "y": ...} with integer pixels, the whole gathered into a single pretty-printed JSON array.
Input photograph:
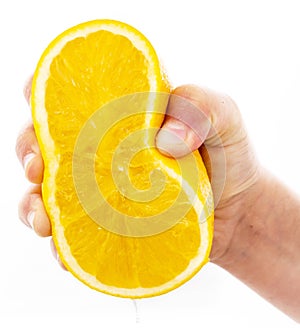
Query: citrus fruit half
[{"x": 126, "y": 220}]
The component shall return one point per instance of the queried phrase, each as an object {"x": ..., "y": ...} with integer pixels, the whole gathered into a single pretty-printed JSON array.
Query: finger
[
  {"x": 55, "y": 254},
  {"x": 32, "y": 212},
  {"x": 27, "y": 89},
  {"x": 29, "y": 154},
  {"x": 197, "y": 115},
  {"x": 176, "y": 138}
]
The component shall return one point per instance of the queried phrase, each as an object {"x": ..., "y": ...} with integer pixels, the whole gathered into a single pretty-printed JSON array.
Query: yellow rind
[{"x": 51, "y": 158}]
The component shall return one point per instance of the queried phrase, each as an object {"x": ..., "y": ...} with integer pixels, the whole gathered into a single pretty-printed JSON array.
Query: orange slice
[{"x": 126, "y": 220}]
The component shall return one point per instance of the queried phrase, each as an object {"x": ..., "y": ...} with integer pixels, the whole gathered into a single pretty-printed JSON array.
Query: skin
[{"x": 257, "y": 219}]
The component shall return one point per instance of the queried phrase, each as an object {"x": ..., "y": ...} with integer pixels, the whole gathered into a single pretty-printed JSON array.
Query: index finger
[{"x": 27, "y": 89}]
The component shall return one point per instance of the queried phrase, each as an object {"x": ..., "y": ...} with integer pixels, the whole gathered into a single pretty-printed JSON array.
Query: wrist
[
  {"x": 264, "y": 248},
  {"x": 241, "y": 224}
]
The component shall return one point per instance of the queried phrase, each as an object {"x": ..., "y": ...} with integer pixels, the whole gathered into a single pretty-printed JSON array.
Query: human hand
[
  {"x": 226, "y": 154},
  {"x": 256, "y": 216},
  {"x": 256, "y": 227},
  {"x": 212, "y": 123}
]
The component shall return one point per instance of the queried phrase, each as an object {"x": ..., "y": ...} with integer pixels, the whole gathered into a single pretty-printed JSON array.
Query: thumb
[
  {"x": 195, "y": 116},
  {"x": 187, "y": 122}
]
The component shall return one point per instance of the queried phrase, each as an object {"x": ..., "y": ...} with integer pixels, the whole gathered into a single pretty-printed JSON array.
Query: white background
[{"x": 248, "y": 49}]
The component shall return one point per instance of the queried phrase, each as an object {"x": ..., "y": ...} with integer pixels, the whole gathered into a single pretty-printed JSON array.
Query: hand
[
  {"x": 31, "y": 208},
  {"x": 256, "y": 217},
  {"x": 212, "y": 123},
  {"x": 219, "y": 128}
]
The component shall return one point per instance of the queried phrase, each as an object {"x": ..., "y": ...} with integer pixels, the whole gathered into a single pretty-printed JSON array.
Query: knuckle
[
  {"x": 34, "y": 170},
  {"x": 22, "y": 138},
  {"x": 229, "y": 102},
  {"x": 27, "y": 88},
  {"x": 26, "y": 204},
  {"x": 26, "y": 142},
  {"x": 42, "y": 225}
]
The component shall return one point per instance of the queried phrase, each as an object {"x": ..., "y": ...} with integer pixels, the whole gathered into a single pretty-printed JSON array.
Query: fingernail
[
  {"x": 177, "y": 128},
  {"x": 30, "y": 219},
  {"x": 173, "y": 132},
  {"x": 171, "y": 139},
  {"x": 27, "y": 160}
]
